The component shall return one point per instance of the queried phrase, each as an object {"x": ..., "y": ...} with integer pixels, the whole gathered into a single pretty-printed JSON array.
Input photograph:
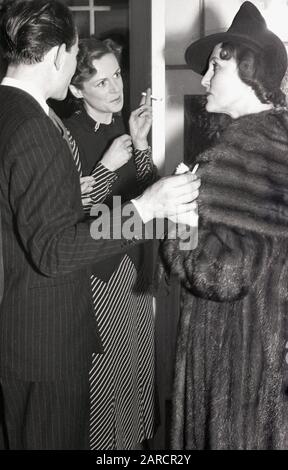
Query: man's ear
[
  {"x": 59, "y": 56},
  {"x": 75, "y": 91}
]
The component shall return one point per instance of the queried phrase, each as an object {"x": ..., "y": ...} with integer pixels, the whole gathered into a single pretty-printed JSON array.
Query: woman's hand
[
  {"x": 86, "y": 183},
  {"x": 140, "y": 122},
  {"x": 119, "y": 153}
]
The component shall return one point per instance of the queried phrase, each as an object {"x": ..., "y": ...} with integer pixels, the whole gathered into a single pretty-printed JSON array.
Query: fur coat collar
[
  {"x": 245, "y": 176},
  {"x": 243, "y": 198}
]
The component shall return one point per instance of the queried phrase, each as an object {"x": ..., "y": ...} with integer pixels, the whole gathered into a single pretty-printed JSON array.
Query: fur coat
[{"x": 231, "y": 376}]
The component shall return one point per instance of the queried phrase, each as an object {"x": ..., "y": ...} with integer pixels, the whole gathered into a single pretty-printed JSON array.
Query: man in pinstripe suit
[
  {"x": 47, "y": 328},
  {"x": 1, "y": 264}
]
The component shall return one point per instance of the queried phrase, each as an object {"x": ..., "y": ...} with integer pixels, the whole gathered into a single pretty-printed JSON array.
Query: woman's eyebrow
[{"x": 99, "y": 79}]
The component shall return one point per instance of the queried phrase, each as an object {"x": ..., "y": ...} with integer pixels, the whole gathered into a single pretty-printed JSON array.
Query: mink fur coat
[{"x": 231, "y": 375}]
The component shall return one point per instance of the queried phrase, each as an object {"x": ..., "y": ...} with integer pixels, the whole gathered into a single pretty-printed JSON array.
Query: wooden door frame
[
  {"x": 147, "y": 65},
  {"x": 140, "y": 48}
]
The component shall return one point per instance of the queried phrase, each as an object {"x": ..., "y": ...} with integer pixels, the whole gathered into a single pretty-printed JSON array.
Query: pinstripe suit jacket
[
  {"x": 47, "y": 328},
  {"x": 1, "y": 263}
]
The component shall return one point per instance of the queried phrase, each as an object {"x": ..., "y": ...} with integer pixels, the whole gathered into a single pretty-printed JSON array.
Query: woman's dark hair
[
  {"x": 30, "y": 28},
  {"x": 89, "y": 50},
  {"x": 254, "y": 70}
]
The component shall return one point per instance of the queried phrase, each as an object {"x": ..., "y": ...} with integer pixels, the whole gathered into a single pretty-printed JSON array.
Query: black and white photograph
[{"x": 143, "y": 228}]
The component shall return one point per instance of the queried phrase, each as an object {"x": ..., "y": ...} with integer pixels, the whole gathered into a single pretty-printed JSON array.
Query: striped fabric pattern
[
  {"x": 146, "y": 170},
  {"x": 104, "y": 180},
  {"x": 75, "y": 152},
  {"x": 122, "y": 401},
  {"x": 1, "y": 263},
  {"x": 46, "y": 415},
  {"x": 122, "y": 379},
  {"x": 47, "y": 326}
]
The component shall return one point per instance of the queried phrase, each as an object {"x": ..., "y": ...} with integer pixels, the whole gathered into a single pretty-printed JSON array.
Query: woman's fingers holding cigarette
[
  {"x": 142, "y": 111},
  {"x": 153, "y": 98}
]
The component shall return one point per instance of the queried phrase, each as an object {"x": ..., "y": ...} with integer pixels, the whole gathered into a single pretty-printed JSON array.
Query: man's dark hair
[
  {"x": 254, "y": 69},
  {"x": 30, "y": 28}
]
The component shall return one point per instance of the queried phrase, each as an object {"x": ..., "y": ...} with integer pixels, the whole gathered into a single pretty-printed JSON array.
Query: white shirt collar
[{"x": 7, "y": 81}]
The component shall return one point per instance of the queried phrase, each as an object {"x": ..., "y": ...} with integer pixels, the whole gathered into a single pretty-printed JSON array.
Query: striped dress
[{"x": 122, "y": 378}]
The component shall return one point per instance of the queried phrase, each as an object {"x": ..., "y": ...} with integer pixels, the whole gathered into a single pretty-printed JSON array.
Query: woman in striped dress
[{"x": 122, "y": 378}]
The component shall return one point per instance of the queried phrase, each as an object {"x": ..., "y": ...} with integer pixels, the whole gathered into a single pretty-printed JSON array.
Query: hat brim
[{"x": 198, "y": 53}]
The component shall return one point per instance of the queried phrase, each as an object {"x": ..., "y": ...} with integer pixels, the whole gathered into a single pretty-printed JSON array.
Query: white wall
[{"x": 182, "y": 26}]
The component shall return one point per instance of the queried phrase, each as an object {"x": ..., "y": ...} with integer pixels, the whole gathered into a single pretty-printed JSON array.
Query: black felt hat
[{"x": 248, "y": 28}]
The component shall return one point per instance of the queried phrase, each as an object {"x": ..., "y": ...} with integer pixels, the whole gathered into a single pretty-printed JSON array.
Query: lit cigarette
[
  {"x": 195, "y": 169},
  {"x": 152, "y": 97}
]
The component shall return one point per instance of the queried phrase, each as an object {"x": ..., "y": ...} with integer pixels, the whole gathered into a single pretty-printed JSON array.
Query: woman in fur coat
[{"x": 231, "y": 374}]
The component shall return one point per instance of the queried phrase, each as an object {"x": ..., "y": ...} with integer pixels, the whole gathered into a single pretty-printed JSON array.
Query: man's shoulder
[
  {"x": 18, "y": 110},
  {"x": 18, "y": 104}
]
